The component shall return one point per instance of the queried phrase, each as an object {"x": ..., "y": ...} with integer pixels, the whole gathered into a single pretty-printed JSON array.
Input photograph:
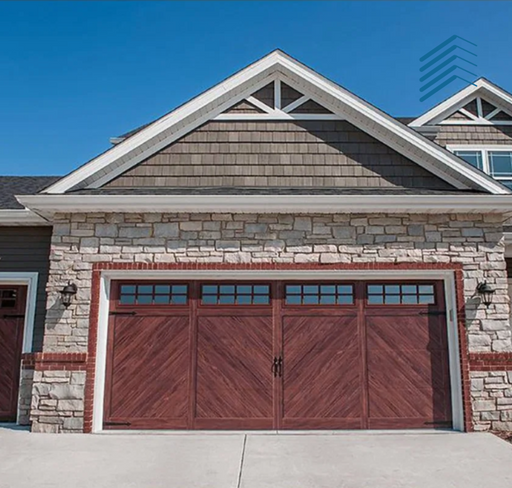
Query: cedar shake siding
[
  {"x": 474, "y": 134},
  {"x": 278, "y": 154},
  {"x": 27, "y": 249}
]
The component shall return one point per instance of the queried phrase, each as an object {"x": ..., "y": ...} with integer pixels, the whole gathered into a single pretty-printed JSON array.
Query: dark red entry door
[
  {"x": 331, "y": 355},
  {"x": 12, "y": 319}
]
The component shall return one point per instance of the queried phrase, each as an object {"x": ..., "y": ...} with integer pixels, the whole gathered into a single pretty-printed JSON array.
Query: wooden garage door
[
  {"x": 12, "y": 319},
  {"x": 277, "y": 355}
]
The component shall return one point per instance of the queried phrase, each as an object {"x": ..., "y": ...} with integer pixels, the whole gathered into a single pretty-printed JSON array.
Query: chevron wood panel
[
  {"x": 322, "y": 382},
  {"x": 149, "y": 371},
  {"x": 234, "y": 380},
  {"x": 408, "y": 372}
]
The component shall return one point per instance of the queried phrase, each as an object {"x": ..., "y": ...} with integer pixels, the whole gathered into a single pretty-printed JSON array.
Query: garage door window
[
  {"x": 245, "y": 294},
  {"x": 401, "y": 294},
  {"x": 153, "y": 294},
  {"x": 7, "y": 298},
  {"x": 312, "y": 294}
]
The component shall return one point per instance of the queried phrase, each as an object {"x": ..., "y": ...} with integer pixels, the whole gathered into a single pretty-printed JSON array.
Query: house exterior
[{"x": 276, "y": 253}]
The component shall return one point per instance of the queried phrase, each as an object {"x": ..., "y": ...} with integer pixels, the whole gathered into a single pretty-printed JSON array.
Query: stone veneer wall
[{"x": 79, "y": 240}]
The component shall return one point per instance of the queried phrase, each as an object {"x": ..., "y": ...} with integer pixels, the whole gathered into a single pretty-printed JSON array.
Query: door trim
[
  {"x": 446, "y": 275},
  {"x": 28, "y": 279}
]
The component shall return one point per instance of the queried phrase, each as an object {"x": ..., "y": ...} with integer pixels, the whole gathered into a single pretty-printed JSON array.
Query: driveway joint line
[{"x": 241, "y": 463}]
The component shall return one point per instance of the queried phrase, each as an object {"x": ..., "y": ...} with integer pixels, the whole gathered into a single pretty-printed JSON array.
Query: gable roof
[
  {"x": 482, "y": 88},
  {"x": 341, "y": 102}
]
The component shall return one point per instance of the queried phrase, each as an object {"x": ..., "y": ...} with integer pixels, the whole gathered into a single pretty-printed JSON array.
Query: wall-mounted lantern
[
  {"x": 67, "y": 294},
  {"x": 486, "y": 292}
]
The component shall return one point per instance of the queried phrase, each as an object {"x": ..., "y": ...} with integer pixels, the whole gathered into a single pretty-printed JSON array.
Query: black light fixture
[
  {"x": 486, "y": 291},
  {"x": 67, "y": 294}
]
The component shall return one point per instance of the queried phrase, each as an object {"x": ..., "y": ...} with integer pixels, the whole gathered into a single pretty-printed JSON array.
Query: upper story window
[{"x": 493, "y": 160}]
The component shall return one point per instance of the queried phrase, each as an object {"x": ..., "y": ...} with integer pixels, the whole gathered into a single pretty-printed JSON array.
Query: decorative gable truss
[
  {"x": 481, "y": 104},
  {"x": 479, "y": 112},
  {"x": 278, "y": 101}
]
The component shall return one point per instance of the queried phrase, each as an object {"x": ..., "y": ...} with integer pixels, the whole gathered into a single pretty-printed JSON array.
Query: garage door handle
[
  {"x": 432, "y": 313},
  {"x": 280, "y": 366},
  {"x": 13, "y": 316},
  {"x": 275, "y": 366}
]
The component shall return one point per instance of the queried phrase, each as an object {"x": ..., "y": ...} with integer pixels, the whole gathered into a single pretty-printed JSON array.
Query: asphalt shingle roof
[{"x": 21, "y": 185}]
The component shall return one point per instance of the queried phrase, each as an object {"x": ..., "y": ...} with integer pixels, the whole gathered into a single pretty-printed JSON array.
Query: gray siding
[
  {"x": 278, "y": 154},
  {"x": 27, "y": 249},
  {"x": 474, "y": 134}
]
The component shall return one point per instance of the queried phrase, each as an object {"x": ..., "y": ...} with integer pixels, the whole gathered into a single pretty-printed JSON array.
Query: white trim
[
  {"x": 216, "y": 100},
  {"x": 260, "y": 105},
  {"x": 470, "y": 203},
  {"x": 446, "y": 276},
  {"x": 277, "y": 94},
  {"x": 296, "y": 104},
  {"x": 460, "y": 99},
  {"x": 479, "y": 109},
  {"x": 278, "y": 115},
  {"x": 490, "y": 115},
  {"x": 467, "y": 113},
  {"x": 28, "y": 279},
  {"x": 470, "y": 122},
  {"x": 21, "y": 217}
]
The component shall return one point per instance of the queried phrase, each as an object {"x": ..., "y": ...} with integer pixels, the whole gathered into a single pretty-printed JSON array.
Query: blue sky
[{"x": 74, "y": 74}]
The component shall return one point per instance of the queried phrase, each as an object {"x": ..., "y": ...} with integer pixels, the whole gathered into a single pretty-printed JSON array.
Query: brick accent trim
[
  {"x": 106, "y": 266},
  {"x": 490, "y": 361},
  {"x": 54, "y": 361}
]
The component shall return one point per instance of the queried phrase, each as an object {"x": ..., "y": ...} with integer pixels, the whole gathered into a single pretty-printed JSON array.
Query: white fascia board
[
  {"x": 24, "y": 216},
  {"x": 459, "y": 99},
  {"x": 50, "y": 204}
]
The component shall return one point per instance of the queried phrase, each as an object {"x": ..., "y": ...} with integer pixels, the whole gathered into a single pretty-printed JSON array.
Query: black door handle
[
  {"x": 280, "y": 366},
  {"x": 275, "y": 366}
]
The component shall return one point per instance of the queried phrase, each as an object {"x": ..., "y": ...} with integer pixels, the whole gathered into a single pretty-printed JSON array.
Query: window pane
[
  {"x": 179, "y": 299},
  {"x": 127, "y": 300},
  {"x": 500, "y": 163},
  {"x": 345, "y": 300},
  {"x": 162, "y": 299},
  {"x": 375, "y": 289},
  {"x": 345, "y": 289},
  {"x": 244, "y": 289},
  {"x": 144, "y": 299},
  {"x": 472, "y": 157},
  {"x": 209, "y": 289},
  {"x": 375, "y": 299},
  {"x": 410, "y": 299},
  {"x": 227, "y": 299},
  {"x": 426, "y": 289},
  {"x": 311, "y": 289},
  {"x": 162, "y": 289},
  {"x": 127, "y": 289},
  {"x": 393, "y": 289},
  {"x": 210, "y": 299},
  {"x": 261, "y": 300},
  {"x": 328, "y": 289},
  {"x": 227, "y": 289},
  {"x": 293, "y": 289},
  {"x": 244, "y": 299},
  {"x": 427, "y": 299},
  {"x": 179, "y": 289},
  {"x": 409, "y": 289},
  {"x": 293, "y": 299},
  {"x": 261, "y": 289},
  {"x": 145, "y": 289},
  {"x": 392, "y": 299},
  {"x": 329, "y": 299},
  {"x": 310, "y": 299}
]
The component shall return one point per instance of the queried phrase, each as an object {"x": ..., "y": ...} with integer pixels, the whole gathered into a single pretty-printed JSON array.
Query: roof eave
[{"x": 48, "y": 205}]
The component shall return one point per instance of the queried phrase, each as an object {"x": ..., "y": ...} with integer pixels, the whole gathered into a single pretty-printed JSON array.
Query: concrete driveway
[{"x": 235, "y": 460}]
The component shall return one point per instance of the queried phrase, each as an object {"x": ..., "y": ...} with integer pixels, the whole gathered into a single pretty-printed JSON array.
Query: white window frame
[
  {"x": 447, "y": 276},
  {"x": 485, "y": 149}
]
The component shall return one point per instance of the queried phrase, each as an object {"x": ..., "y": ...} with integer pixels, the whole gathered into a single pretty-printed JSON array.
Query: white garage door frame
[{"x": 447, "y": 276}]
